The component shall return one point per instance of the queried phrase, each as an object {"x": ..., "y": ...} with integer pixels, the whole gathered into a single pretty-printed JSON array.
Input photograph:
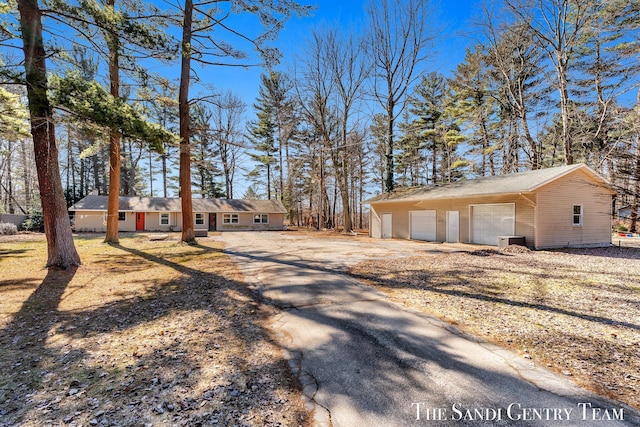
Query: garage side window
[
  {"x": 164, "y": 219},
  {"x": 230, "y": 219},
  {"x": 122, "y": 216},
  {"x": 577, "y": 215}
]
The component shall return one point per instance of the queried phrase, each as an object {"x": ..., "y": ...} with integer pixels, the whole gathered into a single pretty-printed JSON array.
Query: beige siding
[
  {"x": 555, "y": 204},
  {"x": 524, "y": 222},
  {"x": 94, "y": 221},
  {"x": 89, "y": 221},
  {"x": 245, "y": 222},
  {"x": 129, "y": 224},
  {"x": 152, "y": 222}
]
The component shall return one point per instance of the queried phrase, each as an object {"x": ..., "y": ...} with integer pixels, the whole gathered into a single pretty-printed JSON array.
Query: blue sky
[{"x": 451, "y": 17}]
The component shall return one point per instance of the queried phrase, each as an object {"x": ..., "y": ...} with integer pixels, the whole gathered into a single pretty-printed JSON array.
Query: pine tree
[
  {"x": 123, "y": 33},
  {"x": 398, "y": 42},
  {"x": 199, "y": 45},
  {"x": 427, "y": 107},
  {"x": 558, "y": 27},
  {"x": 475, "y": 108},
  {"x": 262, "y": 133},
  {"x": 61, "y": 250}
]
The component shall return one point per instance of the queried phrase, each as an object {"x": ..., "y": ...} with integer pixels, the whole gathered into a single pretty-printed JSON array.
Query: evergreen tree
[
  {"x": 61, "y": 249},
  {"x": 198, "y": 44},
  {"x": 427, "y": 107},
  {"x": 475, "y": 108},
  {"x": 514, "y": 61},
  {"x": 398, "y": 42},
  {"x": 558, "y": 27},
  {"x": 262, "y": 134},
  {"x": 275, "y": 98},
  {"x": 125, "y": 36},
  {"x": 203, "y": 159}
]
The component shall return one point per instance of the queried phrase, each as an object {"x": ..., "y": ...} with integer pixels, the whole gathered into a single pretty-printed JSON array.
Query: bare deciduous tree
[
  {"x": 349, "y": 71},
  {"x": 557, "y": 27},
  {"x": 398, "y": 41}
]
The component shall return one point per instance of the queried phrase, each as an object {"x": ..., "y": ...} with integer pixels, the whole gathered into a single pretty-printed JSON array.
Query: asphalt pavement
[{"x": 364, "y": 361}]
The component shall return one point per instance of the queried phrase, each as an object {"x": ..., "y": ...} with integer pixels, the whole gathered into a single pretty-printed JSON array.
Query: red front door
[{"x": 139, "y": 221}]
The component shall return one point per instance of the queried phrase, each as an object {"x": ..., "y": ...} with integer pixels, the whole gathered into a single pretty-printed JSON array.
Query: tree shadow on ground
[
  {"x": 376, "y": 359},
  {"x": 5, "y": 253},
  {"x": 433, "y": 286},
  {"x": 25, "y": 337},
  {"x": 192, "y": 350},
  {"x": 624, "y": 252}
]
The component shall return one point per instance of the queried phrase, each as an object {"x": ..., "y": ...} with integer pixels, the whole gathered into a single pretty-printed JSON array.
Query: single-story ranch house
[
  {"x": 165, "y": 214},
  {"x": 556, "y": 207}
]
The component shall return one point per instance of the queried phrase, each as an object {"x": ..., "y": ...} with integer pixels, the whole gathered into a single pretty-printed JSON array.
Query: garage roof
[
  {"x": 160, "y": 204},
  {"x": 523, "y": 182}
]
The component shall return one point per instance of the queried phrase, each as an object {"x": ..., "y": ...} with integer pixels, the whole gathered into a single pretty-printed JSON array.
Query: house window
[
  {"x": 122, "y": 216},
  {"x": 199, "y": 219},
  {"x": 261, "y": 219},
  {"x": 164, "y": 219},
  {"x": 577, "y": 215},
  {"x": 230, "y": 219}
]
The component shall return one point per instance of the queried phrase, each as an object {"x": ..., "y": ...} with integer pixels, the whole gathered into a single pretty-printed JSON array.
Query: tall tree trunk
[
  {"x": 281, "y": 158},
  {"x": 344, "y": 192},
  {"x": 26, "y": 175},
  {"x": 361, "y": 190},
  {"x": 389, "y": 167},
  {"x": 164, "y": 175},
  {"x": 268, "y": 181},
  {"x": 11, "y": 208},
  {"x": 73, "y": 181},
  {"x": 564, "y": 107},
  {"x": 96, "y": 172},
  {"x": 533, "y": 146},
  {"x": 188, "y": 233},
  {"x": 635, "y": 205},
  {"x": 61, "y": 250},
  {"x": 111, "y": 235},
  {"x": 69, "y": 166},
  {"x": 150, "y": 174}
]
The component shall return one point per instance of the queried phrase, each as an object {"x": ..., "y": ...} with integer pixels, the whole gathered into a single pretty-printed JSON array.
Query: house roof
[
  {"x": 522, "y": 182},
  {"x": 161, "y": 204}
]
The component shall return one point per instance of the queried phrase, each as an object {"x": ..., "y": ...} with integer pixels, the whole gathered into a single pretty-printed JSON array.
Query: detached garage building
[{"x": 556, "y": 207}]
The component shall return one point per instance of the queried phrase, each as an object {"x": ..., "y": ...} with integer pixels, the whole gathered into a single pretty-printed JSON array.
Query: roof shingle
[
  {"x": 522, "y": 182},
  {"x": 161, "y": 204}
]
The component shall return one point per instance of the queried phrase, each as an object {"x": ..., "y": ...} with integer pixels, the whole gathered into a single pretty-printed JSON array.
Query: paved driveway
[{"x": 366, "y": 361}]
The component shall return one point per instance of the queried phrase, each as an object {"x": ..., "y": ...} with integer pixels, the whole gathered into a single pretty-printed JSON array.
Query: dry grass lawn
[
  {"x": 143, "y": 333},
  {"x": 575, "y": 311}
]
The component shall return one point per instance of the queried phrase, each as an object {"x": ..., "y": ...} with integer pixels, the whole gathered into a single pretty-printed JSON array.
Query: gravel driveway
[{"x": 363, "y": 360}]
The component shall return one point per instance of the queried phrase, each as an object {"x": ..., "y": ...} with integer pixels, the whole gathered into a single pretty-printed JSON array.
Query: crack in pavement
[{"x": 363, "y": 360}]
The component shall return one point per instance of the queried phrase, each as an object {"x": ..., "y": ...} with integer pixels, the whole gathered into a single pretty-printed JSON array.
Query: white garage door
[
  {"x": 491, "y": 221},
  {"x": 423, "y": 225}
]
